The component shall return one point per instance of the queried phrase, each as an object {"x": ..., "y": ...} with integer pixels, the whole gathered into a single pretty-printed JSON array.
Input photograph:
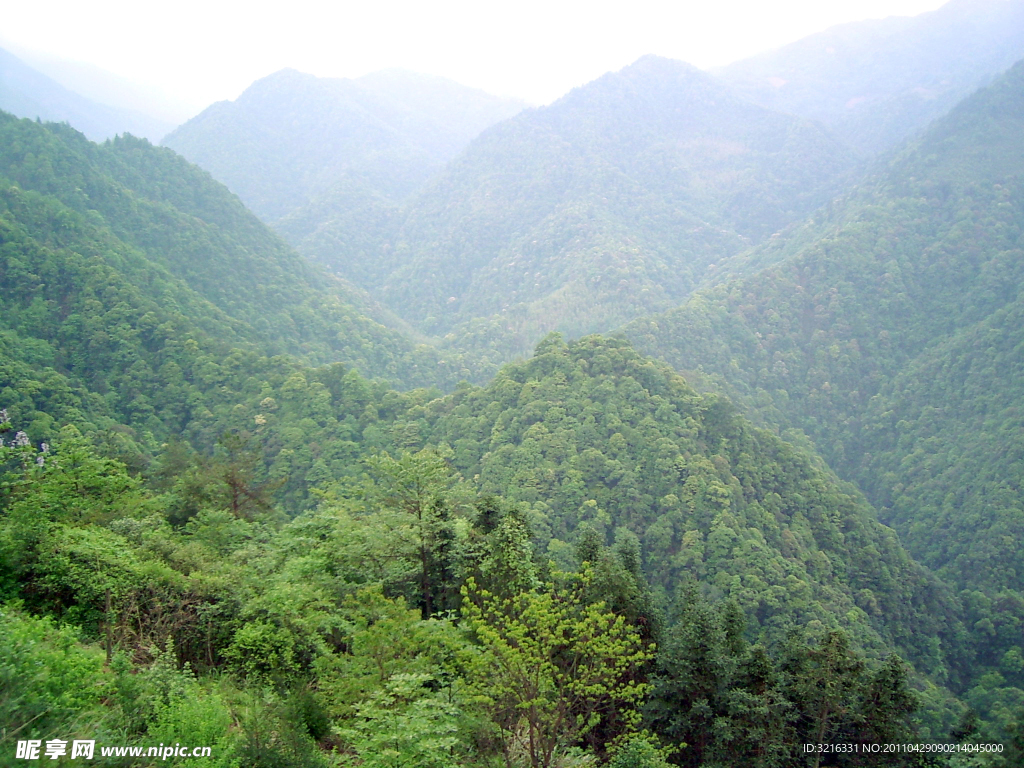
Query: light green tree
[
  {"x": 549, "y": 667},
  {"x": 412, "y": 492},
  {"x": 404, "y": 724}
]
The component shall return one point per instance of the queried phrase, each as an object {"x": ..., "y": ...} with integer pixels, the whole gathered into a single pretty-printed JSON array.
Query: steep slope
[
  {"x": 876, "y": 82},
  {"x": 27, "y": 92},
  {"x": 177, "y": 221},
  {"x": 591, "y": 432},
  {"x": 292, "y": 138},
  {"x": 345, "y": 225},
  {"x": 609, "y": 203},
  {"x": 894, "y": 340},
  {"x": 96, "y": 332}
]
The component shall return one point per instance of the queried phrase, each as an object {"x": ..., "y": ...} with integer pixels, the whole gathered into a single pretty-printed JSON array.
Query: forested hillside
[
  {"x": 874, "y": 83},
  {"x": 904, "y": 276},
  {"x": 894, "y": 342},
  {"x": 250, "y": 505},
  {"x": 609, "y": 203},
  {"x": 166, "y": 229},
  {"x": 100, "y": 336},
  {"x": 593, "y": 434},
  {"x": 391, "y": 614},
  {"x": 240, "y": 538}
]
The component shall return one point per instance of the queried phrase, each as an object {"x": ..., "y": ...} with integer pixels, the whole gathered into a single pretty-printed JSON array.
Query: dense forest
[
  {"x": 890, "y": 339},
  {"x": 379, "y": 500},
  {"x": 609, "y": 204}
]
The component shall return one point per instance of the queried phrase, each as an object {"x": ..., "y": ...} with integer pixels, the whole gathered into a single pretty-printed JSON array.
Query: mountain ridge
[
  {"x": 919, "y": 260},
  {"x": 877, "y": 82},
  {"x": 291, "y": 137},
  {"x": 27, "y": 92},
  {"x": 644, "y": 163}
]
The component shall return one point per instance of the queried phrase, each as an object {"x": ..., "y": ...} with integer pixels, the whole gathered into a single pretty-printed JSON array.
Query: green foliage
[
  {"x": 598, "y": 208},
  {"x": 50, "y": 686},
  {"x": 888, "y": 335},
  {"x": 409, "y": 503},
  {"x": 169, "y": 705},
  {"x": 99, "y": 331},
  {"x": 385, "y": 638},
  {"x": 203, "y": 719},
  {"x": 307, "y": 568},
  {"x": 405, "y": 724},
  {"x": 114, "y": 255},
  {"x": 719, "y": 701},
  {"x": 270, "y": 739},
  {"x": 638, "y": 752},
  {"x": 508, "y": 566},
  {"x": 550, "y": 666},
  {"x": 888, "y": 331},
  {"x": 591, "y": 432},
  {"x": 52, "y": 552}
]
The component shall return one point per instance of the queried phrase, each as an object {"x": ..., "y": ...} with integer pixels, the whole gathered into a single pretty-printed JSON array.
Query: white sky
[{"x": 201, "y": 51}]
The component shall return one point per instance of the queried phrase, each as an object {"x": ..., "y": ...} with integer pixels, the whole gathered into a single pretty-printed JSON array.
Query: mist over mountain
[
  {"x": 27, "y": 92},
  {"x": 106, "y": 87},
  {"x": 876, "y": 82},
  {"x": 291, "y": 139},
  {"x": 609, "y": 203},
  {"x": 612, "y": 202}
]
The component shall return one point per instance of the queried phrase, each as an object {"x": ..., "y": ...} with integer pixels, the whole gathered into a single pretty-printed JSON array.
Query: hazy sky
[{"x": 206, "y": 50}]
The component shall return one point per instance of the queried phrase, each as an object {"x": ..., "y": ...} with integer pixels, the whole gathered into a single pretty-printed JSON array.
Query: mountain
[
  {"x": 27, "y": 92},
  {"x": 592, "y": 433},
  {"x": 610, "y": 203},
  {"x": 877, "y": 82},
  {"x": 175, "y": 238},
  {"x": 293, "y": 138},
  {"x": 459, "y": 114},
  {"x": 892, "y": 338},
  {"x": 402, "y": 608},
  {"x": 106, "y": 87},
  {"x": 228, "y": 526},
  {"x": 141, "y": 303}
]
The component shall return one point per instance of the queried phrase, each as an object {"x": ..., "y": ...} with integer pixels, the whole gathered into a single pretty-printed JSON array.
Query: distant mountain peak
[
  {"x": 284, "y": 75},
  {"x": 655, "y": 79},
  {"x": 27, "y": 92},
  {"x": 877, "y": 82},
  {"x": 663, "y": 66},
  {"x": 290, "y": 78},
  {"x": 291, "y": 137},
  {"x": 607, "y": 203}
]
